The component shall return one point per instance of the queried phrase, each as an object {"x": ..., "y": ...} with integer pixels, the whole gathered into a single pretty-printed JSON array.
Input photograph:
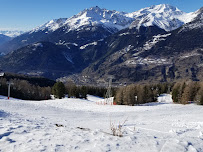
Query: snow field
[{"x": 162, "y": 126}]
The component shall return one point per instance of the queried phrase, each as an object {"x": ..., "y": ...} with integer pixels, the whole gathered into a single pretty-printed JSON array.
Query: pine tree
[
  {"x": 175, "y": 94},
  {"x": 83, "y": 92},
  {"x": 58, "y": 90}
]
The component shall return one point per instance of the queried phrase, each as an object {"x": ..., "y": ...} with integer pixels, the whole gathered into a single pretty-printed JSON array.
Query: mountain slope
[
  {"x": 164, "y": 16},
  {"x": 87, "y": 26},
  {"x": 131, "y": 46},
  {"x": 4, "y": 38},
  {"x": 184, "y": 39},
  {"x": 165, "y": 56},
  {"x": 92, "y": 16},
  {"x": 42, "y": 58},
  {"x": 95, "y": 23}
]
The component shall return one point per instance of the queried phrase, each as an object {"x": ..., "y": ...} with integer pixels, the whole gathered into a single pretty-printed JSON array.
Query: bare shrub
[{"x": 117, "y": 130}]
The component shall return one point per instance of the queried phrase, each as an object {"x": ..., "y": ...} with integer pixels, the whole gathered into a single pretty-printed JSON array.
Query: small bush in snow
[{"x": 117, "y": 130}]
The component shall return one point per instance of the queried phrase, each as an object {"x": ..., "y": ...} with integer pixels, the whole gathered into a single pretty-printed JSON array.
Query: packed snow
[{"x": 82, "y": 125}]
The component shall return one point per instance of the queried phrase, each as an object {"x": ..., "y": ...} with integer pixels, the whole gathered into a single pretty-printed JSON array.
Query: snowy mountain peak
[
  {"x": 164, "y": 7},
  {"x": 96, "y": 8},
  {"x": 164, "y": 16},
  {"x": 51, "y": 25},
  {"x": 98, "y": 16},
  {"x": 92, "y": 16}
]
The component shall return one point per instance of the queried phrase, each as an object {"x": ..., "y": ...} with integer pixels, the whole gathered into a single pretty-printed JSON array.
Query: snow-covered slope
[
  {"x": 28, "y": 126},
  {"x": 197, "y": 22},
  {"x": 164, "y": 16}
]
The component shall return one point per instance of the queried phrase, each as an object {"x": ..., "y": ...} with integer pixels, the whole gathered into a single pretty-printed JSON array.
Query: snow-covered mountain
[
  {"x": 50, "y": 26},
  {"x": 96, "y": 15},
  {"x": 91, "y": 17},
  {"x": 93, "y": 24},
  {"x": 197, "y": 22},
  {"x": 88, "y": 26},
  {"x": 11, "y": 33},
  {"x": 148, "y": 54},
  {"x": 164, "y": 16}
]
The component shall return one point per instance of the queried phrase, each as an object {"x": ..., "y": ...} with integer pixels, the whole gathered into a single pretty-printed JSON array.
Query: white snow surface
[
  {"x": 164, "y": 16},
  {"x": 29, "y": 126}
]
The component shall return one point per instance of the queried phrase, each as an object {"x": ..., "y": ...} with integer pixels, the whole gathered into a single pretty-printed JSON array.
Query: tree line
[
  {"x": 73, "y": 91},
  {"x": 184, "y": 92},
  {"x": 139, "y": 94},
  {"x": 22, "y": 89}
]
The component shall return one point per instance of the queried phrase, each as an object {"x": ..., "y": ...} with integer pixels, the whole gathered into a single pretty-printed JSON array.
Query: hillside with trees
[
  {"x": 186, "y": 92},
  {"x": 26, "y": 87}
]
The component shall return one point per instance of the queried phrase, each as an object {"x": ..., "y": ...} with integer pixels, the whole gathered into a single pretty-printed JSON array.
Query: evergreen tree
[
  {"x": 83, "y": 92},
  {"x": 58, "y": 90},
  {"x": 175, "y": 94}
]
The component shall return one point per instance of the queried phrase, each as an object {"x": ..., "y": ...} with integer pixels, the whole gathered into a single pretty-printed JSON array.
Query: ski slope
[{"x": 30, "y": 126}]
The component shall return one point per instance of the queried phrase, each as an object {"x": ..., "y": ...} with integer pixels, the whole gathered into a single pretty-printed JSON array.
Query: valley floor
[{"x": 30, "y": 126}]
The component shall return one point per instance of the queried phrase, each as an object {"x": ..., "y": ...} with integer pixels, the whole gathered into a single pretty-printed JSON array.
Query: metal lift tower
[{"x": 108, "y": 97}]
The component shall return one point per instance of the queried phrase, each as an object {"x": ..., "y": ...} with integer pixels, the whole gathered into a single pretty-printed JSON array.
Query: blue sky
[{"x": 27, "y": 14}]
